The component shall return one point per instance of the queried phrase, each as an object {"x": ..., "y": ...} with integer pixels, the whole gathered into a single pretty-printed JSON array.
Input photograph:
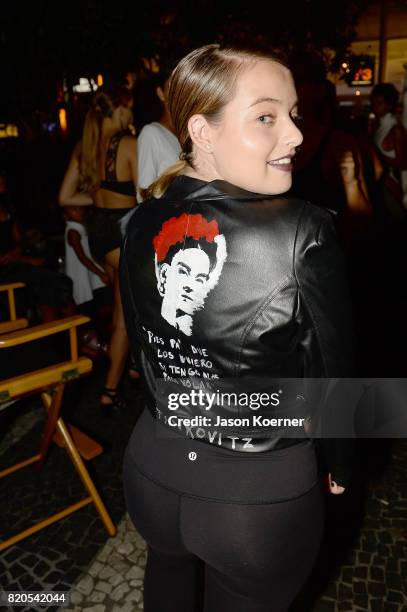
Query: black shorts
[{"x": 104, "y": 230}]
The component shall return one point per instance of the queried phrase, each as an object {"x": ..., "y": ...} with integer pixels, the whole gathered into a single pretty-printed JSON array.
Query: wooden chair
[
  {"x": 50, "y": 383},
  {"x": 13, "y": 322}
]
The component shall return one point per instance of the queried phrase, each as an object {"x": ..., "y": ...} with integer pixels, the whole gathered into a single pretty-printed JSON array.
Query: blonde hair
[
  {"x": 103, "y": 104},
  {"x": 202, "y": 83}
]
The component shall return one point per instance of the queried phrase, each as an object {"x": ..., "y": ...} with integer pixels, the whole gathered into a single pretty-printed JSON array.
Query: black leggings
[{"x": 253, "y": 557}]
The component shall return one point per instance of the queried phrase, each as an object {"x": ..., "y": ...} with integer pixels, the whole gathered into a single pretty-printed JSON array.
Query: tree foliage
[{"x": 44, "y": 40}]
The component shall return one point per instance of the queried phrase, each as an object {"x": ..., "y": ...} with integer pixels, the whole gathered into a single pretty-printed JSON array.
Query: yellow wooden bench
[
  {"x": 13, "y": 322},
  {"x": 50, "y": 383}
]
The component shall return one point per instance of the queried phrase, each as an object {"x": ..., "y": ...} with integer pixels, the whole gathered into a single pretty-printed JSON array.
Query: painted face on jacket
[
  {"x": 185, "y": 279},
  {"x": 255, "y": 141},
  {"x": 189, "y": 257}
]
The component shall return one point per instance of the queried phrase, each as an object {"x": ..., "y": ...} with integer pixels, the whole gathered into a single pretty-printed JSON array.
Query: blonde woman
[
  {"x": 226, "y": 283},
  {"x": 102, "y": 173}
]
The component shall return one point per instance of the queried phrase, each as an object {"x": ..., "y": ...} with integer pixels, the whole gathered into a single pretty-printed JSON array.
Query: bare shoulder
[
  {"x": 129, "y": 142},
  {"x": 128, "y": 147},
  {"x": 76, "y": 155},
  {"x": 77, "y": 150}
]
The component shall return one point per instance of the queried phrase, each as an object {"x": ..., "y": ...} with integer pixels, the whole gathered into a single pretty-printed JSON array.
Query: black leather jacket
[{"x": 221, "y": 283}]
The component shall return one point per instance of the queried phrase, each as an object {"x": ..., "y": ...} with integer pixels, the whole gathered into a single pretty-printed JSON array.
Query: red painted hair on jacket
[{"x": 177, "y": 229}]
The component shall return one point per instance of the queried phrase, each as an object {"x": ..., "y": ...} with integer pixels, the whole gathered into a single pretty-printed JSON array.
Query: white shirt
[
  {"x": 386, "y": 124},
  {"x": 84, "y": 281},
  {"x": 158, "y": 149}
]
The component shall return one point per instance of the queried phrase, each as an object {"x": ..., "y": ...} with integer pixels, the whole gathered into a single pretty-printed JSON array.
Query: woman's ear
[
  {"x": 160, "y": 94},
  {"x": 162, "y": 278},
  {"x": 201, "y": 133}
]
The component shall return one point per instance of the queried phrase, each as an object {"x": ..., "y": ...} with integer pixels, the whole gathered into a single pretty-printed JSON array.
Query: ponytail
[
  {"x": 89, "y": 150},
  {"x": 160, "y": 186}
]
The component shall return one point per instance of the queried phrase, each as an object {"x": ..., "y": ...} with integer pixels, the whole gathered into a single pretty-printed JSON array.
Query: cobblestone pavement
[
  {"x": 363, "y": 560},
  {"x": 114, "y": 581},
  {"x": 56, "y": 557},
  {"x": 24, "y": 422}
]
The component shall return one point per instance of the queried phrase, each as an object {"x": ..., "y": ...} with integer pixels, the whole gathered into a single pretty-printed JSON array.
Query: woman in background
[
  {"x": 103, "y": 173},
  {"x": 391, "y": 141}
]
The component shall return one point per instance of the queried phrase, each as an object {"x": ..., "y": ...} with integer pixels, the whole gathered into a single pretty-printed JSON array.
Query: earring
[{"x": 209, "y": 147}]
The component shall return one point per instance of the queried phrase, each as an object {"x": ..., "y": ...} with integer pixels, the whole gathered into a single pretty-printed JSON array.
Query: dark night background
[
  {"x": 45, "y": 47},
  {"x": 43, "y": 41},
  {"x": 44, "y": 44}
]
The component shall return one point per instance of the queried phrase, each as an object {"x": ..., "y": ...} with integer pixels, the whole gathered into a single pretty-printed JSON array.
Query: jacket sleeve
[{"x": 324, "y": 320}]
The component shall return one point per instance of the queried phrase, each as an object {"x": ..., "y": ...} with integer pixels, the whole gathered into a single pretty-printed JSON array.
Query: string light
[{"x": 63, "y": 124}]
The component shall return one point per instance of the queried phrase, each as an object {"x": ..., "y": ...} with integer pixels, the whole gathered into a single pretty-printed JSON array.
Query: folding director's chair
[
  {"x": 13, "y": 322},
  {"x": 50, "y": 383}
]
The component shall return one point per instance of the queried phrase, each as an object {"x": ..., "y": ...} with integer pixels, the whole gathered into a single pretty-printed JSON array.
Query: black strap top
[{"x": 111, "y": 183}]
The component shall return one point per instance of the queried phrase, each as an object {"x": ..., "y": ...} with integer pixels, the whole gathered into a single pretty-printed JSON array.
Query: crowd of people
[
  {"x": 197, "y": 193},
  {"x": 360, "y": 173}
]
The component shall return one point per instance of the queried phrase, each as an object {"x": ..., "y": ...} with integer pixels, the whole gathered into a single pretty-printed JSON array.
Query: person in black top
[
  {"x": 230, "y": 287},
  {"x": 103, "y": 173}
]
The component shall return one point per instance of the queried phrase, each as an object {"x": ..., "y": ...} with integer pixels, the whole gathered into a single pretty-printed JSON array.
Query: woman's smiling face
[{"x": 257, "y": 135}]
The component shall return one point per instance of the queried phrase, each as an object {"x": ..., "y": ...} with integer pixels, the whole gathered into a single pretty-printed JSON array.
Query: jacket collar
[{"x": 194, "y": 189}]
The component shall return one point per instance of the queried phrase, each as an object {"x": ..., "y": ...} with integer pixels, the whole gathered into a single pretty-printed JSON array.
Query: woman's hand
[
  {"x": 5, "y": 259},
  {"x": 10, "y": 257},
  {"x": 105, "y": 278},
  {"x": 350, "y": 166},
  {"x": 333, "y": 487},
  {"x": 347, "y": 167}
]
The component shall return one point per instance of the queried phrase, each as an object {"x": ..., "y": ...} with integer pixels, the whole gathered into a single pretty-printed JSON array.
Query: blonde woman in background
[{"x": 102, "y": 173}]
